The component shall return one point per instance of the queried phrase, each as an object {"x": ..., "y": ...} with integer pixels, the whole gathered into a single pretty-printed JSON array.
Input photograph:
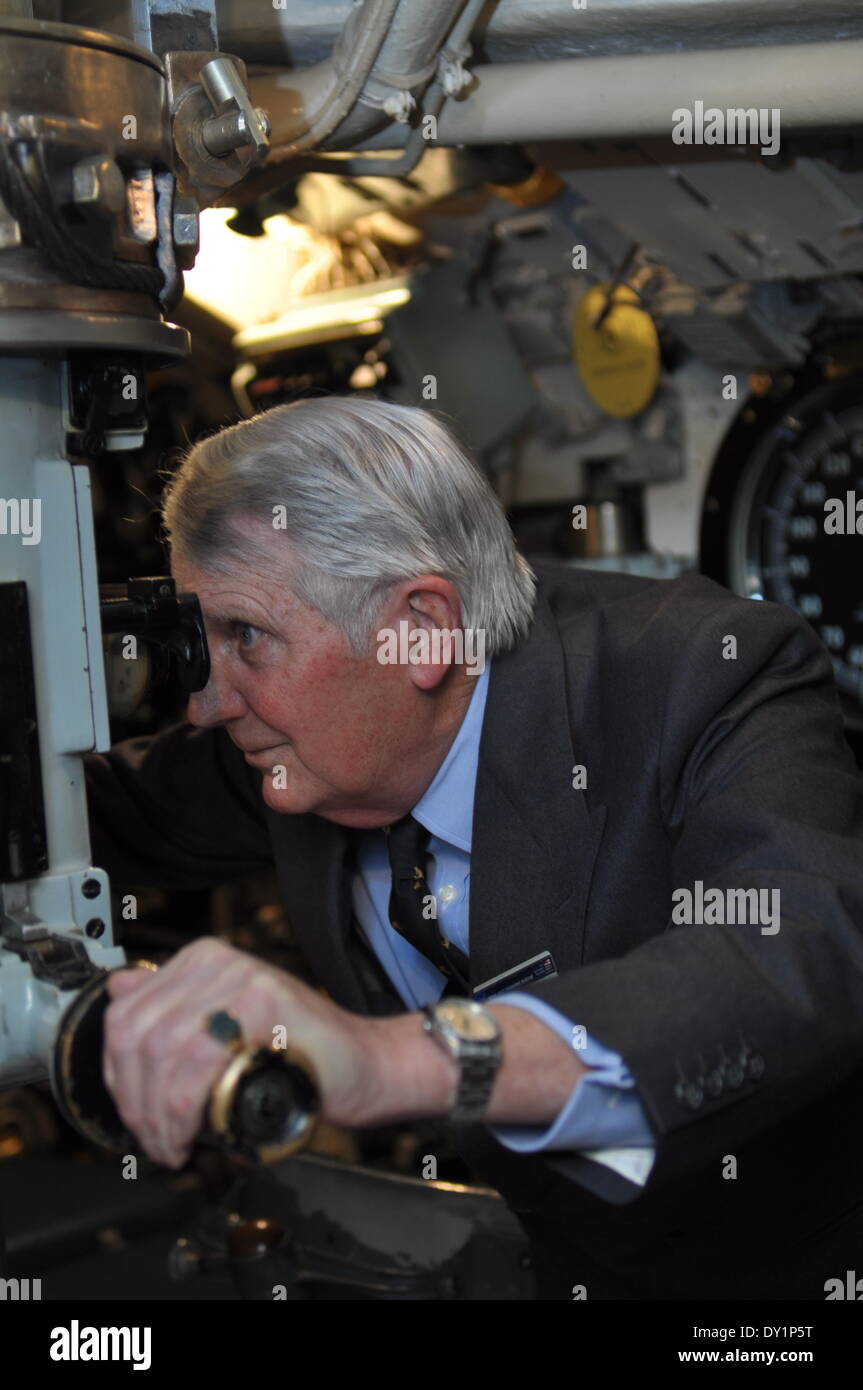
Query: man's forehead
[{"x": 223, "y": 595}]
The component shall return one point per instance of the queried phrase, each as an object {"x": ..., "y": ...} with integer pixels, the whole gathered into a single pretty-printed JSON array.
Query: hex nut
[
  {"x": 186, "y": 222},
  {"x": 98, "y": 187}
]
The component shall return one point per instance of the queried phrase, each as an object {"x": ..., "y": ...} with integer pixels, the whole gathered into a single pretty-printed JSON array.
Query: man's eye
[{"x": 247, "y": 635}]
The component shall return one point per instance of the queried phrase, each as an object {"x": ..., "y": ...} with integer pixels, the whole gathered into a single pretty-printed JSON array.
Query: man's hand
[{"x": 160, "y": 1064}]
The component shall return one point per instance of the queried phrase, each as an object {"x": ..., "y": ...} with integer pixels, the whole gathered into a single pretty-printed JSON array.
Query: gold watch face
[{"x": 469, "y": 1021}]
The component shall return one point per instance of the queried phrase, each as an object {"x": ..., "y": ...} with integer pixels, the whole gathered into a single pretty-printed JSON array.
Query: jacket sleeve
[
  {"x": 602, "y": 1116},
  {"x": 178, "y": 810},
  {"x": 728, "y": 1029}
]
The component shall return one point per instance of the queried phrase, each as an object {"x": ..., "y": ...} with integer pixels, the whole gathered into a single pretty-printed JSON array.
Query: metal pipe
[
  {"x": 303, "y": 32},
  {"x": 813, "y": 85},
  {"x": 327, "y": 91},
  {"x": 393, "y": 52}
]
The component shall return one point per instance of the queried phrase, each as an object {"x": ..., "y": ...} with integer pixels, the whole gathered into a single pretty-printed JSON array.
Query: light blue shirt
[{"x": 603, "y": 1117}]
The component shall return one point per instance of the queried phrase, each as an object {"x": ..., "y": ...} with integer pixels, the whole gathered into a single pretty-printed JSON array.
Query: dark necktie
[{"x": 407, "y": 843}]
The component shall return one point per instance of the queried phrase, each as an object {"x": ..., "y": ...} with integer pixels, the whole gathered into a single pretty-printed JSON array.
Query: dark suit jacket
[{"x": 743, "y": 1045}]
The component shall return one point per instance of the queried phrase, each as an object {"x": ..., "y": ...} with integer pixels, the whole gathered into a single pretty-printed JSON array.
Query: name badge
[{"x": 541, "y": 967}]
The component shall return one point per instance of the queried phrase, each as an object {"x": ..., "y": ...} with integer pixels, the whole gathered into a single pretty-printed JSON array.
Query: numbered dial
[{"x": 794, "y": 536}]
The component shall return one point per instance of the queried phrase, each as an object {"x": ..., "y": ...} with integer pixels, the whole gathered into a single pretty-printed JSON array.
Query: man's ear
[
  {"x": 434, "y": 600},
  {"x": 425, "y": 615}
]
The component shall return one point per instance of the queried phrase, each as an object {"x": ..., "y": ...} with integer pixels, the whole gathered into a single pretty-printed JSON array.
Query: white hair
[{"x": 368, "y": 494}]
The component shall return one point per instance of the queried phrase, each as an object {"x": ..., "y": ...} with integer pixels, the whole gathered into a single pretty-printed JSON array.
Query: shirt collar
[{"x": 446, "y": 807}]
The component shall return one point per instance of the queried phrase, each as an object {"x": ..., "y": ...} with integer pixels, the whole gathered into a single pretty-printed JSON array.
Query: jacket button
[
  {"x": 693, "y": 1095},
  {"x": 734, "y": 1075},
  {"x": 756, "y": 1067},
  {"x": 713, "y": 1082}
]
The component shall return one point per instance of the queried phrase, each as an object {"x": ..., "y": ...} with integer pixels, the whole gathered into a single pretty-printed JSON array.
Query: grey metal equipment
[
  {"x": 316, "y": 1227},
  {"x": 107, "y": 150}
]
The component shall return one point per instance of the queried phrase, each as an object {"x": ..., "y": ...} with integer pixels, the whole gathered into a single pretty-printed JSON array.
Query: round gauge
[{"x": 793, "y": 536}]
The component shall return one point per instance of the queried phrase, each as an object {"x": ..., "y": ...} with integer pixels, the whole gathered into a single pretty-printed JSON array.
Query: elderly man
[{"x": 594, "y": 895}]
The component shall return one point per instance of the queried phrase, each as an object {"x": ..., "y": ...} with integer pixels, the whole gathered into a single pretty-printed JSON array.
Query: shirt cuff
[{"x": 603, "y": 1111}]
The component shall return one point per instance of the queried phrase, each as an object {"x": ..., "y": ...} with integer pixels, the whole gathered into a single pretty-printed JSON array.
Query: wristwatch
[{"x": 470, "y": 1034}]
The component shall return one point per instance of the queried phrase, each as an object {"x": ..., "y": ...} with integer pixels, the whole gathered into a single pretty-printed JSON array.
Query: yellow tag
[{"x": 618, "y": 361}]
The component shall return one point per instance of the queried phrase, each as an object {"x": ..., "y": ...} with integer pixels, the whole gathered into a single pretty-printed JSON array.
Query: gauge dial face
[{"x": 794, "y": 537}]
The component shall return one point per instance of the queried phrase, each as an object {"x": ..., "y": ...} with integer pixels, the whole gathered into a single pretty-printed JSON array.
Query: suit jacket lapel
[{"x": 535, "y": 838}]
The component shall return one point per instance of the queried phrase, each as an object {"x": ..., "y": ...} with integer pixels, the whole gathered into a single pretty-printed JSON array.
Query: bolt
[
  {"x": 455, "y": 78},
  {"x": 222, "y": 134},
  {"x": 95, "y": 927},
  {"x": 400, "y": 105},
  {"x": 91, "y": 888},
  {"x": 186, "y": 226},
  {"x": 98, "y": 187},
  {"x": 232, "y": 131}
]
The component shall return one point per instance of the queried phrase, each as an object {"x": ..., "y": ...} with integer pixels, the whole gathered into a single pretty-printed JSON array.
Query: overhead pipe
[
  {"x": 813, "y": 85},
  {"x": 304, "y": 31}
]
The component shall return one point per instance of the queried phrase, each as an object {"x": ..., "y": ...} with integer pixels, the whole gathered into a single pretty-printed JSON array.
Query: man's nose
[{"x": 219, "y": 700}]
